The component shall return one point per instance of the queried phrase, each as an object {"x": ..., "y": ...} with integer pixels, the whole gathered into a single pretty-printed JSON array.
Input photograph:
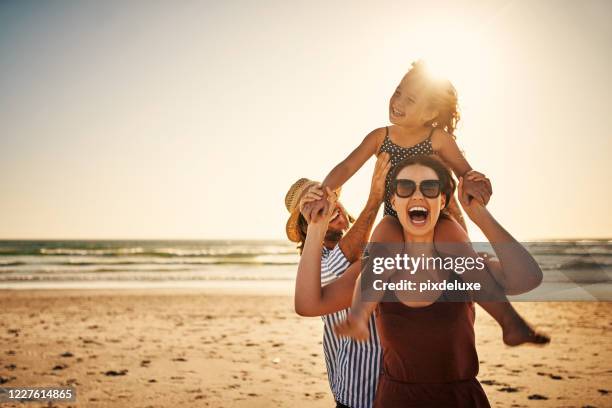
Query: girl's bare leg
[{"x": 356, "y": 324}]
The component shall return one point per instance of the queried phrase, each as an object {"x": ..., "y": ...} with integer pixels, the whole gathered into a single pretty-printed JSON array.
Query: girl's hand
[
  {"x": 477, "y": 190},
  {"x": 320, "y": 204},
  {"x": 377, "y": 188},
  {"x": 472, "y": 207},
  {"x": 314, "y": 193},
  {"x": 320, "y": 216},
  {"x": 483, "y": 190}
]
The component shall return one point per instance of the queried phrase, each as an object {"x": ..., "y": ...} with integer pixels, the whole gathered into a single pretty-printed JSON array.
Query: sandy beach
[{"x": 200, "y": 348}]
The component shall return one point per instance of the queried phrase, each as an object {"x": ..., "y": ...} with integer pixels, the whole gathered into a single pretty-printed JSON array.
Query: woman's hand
[
  {"x": 472, "y": 207},
  {"x": 478, "y": 186},
  {"x": 377, "y": 188}
]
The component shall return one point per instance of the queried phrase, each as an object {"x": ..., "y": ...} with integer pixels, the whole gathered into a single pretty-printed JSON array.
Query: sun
[{"x": 455, "y": 52}]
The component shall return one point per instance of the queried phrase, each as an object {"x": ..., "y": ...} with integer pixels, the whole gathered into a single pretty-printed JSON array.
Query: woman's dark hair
[{"x": 447, "y": 183}]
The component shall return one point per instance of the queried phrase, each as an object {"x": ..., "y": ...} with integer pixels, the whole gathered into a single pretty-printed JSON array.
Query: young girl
[{"x": 424, "y": 113}]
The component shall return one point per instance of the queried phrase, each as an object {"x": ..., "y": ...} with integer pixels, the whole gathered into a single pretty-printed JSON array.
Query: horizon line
[{"x": 263, "y": 239}]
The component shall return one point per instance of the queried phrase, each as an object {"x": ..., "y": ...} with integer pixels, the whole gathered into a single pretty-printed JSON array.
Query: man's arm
[
  {"x": 310, "y": 298},
  {"x": 354, "y": 240}
]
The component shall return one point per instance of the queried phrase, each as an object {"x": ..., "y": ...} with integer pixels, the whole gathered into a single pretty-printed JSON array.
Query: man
[{"x": 352, "y": 367}]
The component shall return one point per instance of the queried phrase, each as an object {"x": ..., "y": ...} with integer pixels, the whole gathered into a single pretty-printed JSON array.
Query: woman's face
[
  {"x": 418, "y": 214},
  {"x": 408, "y": 105}
]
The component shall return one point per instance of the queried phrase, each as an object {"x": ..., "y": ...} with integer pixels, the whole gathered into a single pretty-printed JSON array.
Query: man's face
[
  {"x": 339, "y": 220},
  {"x": 338, "y": 223}
]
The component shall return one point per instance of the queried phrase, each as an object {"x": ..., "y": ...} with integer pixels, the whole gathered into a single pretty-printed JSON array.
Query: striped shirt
[{"x": 352, "y": 367}]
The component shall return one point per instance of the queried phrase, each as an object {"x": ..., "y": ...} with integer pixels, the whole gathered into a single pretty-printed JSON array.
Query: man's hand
[
  {"x": 316, "y": 215},
  {"x": 306, "y": 210},
  {"x": 313, "y": 193},
  {"x": 312, "y": 201},
  {"x": 381, "y": 168}
]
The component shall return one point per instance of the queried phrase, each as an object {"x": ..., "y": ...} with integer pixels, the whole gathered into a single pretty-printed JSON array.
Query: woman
[{"x": 429, "y": 354}]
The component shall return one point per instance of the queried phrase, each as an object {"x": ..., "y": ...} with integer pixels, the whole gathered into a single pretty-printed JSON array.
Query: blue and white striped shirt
[{"x": 352, "y": 367}]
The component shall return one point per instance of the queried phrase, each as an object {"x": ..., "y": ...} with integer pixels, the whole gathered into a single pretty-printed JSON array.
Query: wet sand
[{"x": 197, "y": 348}]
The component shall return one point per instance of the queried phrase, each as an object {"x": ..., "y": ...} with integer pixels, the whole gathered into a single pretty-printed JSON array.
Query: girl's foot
[
  {"x": 353, "y": 327},
  {"x": 517, "y": 331}
]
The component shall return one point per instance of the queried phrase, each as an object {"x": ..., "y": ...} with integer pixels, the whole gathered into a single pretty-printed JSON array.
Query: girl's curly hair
[{"x": 441, "y": 95}]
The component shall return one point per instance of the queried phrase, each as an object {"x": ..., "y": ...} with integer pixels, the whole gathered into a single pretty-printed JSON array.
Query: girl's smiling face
[
  {"x": 408, "y": 106},
  {"x": 418, "y": 214}
]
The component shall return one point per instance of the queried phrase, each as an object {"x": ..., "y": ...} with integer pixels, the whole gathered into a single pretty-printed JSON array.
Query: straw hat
[{"x": 292, "y": 202}]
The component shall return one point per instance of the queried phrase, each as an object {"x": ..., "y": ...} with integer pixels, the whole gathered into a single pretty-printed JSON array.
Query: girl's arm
[
  {"x": 356, "y": 325},
  {"x": 516, "y": 268},
  {"x": 446, "y": 147},
  {"x": 353, "y": 162}
]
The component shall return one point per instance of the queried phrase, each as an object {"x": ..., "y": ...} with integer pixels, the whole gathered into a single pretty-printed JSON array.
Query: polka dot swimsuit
[{"x": 397, "y": 154}]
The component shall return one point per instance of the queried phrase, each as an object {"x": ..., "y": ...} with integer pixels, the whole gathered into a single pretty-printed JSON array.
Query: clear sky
[{"x": 185, "y": 119}]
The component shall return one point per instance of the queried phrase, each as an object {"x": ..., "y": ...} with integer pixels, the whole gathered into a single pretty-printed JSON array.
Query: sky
[{"x": 191, "y": 119}]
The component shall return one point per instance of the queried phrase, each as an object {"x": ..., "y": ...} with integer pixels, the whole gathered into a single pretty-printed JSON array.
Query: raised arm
[
  {"x": 446, "y": 147},
  {"x": 310, "y": 298},
  {"x": 516, "y": 268},
  {"x": 354, "y": 240},
  {"x": 353, "y": 162}
]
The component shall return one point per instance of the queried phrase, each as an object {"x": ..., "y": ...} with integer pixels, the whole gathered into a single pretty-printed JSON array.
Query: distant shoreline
[{"x": 225, "y": 287}]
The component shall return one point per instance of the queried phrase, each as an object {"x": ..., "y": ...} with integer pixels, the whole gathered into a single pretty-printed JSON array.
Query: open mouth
[
  {"x": 396, "y": 113},
  {"x": 418, "y": 215},
  {"x": 335, "y": 215}
]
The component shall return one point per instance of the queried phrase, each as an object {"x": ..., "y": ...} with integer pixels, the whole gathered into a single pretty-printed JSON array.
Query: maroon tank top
[
  {"x": 431, "y": 344},
  {"x": 429, "y": 355}
]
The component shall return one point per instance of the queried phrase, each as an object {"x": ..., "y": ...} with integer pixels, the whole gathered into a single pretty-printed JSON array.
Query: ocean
[{"x": 567, "y": 264}]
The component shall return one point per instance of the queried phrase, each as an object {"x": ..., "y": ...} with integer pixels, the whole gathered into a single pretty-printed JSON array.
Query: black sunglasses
[{"x": 404, "y": 188}]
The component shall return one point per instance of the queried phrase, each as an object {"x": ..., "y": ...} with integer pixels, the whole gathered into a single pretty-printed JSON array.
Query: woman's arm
[{"x": 516, "y": 268}]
